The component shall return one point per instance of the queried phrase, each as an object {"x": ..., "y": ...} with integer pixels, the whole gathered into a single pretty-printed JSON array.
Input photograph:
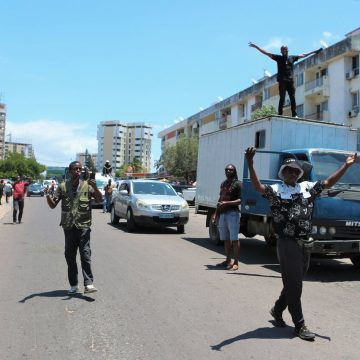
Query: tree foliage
[
  {"x": 17, "y": 164},
  {"x": 89, "y": 163},
  {"x": 264, "y": 111},
  {"x": 136, "y": 167},
  {"x": 180, "y": 160}
]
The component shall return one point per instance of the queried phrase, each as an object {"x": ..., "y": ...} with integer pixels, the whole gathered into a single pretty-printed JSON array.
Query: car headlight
[
  {"x": 184, "y": 205},
  {"x": 142, "y": 205},
  {"x": 322, "y": 230}
]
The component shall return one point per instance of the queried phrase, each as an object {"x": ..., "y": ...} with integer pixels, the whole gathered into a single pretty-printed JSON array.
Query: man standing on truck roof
[
  {"x": 285, "y": 74},
  {"x": 291, "y": 205},
  {"x": 227, "y": 214}
]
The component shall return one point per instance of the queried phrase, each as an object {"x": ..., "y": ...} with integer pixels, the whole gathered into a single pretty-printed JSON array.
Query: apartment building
[
  {"x": 20, "y": 148},
  {"x": 2, "y": 130},
  {"x": 327, "y": 89},
  {"x": 121, "y": 143}
]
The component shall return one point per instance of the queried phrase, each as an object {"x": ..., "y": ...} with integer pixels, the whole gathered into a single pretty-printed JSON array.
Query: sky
[{"x": 67, "y": 65}]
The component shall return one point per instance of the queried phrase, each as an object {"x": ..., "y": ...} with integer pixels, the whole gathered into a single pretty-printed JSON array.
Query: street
[{"x": 161, "y": 297}]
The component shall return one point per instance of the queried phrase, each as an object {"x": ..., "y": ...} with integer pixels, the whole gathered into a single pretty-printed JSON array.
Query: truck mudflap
[{"x": 335, "y": 247}]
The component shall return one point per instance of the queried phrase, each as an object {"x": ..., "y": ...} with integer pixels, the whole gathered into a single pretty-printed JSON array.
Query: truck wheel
[
  {"x": 180, "y": 229},
  {"x": 270, "y": 240},
  {"x": 113, "y": 217},
  {"x": 131, "y": 226},
  {"x": 214, "y": 234},
  {"x": 355, "y": 259}
]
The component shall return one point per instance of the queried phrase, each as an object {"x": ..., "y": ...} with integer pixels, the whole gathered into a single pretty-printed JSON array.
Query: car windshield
[
  {"x": 153, "y": 188},
  {"x": 326, "y": 163},
  {"x": 35, "y": 186}
]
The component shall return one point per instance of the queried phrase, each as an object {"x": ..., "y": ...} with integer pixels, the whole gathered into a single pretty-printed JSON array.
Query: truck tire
[
  {"x": 214, "y": 234},
  {"x": 114, "y": 219},
  {"x": 130, "y": 221},
  {"x": 355, "y": 259},
  {"x": 270, "y": 240}
]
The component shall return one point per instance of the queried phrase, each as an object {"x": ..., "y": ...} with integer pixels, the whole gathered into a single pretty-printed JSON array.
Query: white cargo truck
[{"x": 276, "y": 133}]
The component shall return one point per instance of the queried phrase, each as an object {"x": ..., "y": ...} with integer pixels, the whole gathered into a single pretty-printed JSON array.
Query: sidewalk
[{"x": 5, "y": 207}]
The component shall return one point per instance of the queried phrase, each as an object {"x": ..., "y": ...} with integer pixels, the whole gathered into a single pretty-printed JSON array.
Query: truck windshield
[{"x": 326, "y": 163}]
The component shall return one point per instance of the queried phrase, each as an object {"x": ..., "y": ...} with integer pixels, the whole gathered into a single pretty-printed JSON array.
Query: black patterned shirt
[{"x": 292, "y": 207}]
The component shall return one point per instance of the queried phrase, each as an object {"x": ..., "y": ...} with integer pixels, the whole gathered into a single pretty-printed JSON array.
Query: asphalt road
[{"x": 161, "y": 297}]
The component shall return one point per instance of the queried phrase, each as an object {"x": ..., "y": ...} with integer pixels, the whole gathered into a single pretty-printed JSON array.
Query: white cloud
[
  {"x": 276, "y": 43},
  {"x": 55, "y": 142}
]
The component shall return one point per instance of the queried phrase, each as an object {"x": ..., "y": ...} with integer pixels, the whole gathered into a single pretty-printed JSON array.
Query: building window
[
  {"x": 266, "y": 93},
  {"x": 300, "y": 110},
  {"x": 260, "y": 139},
  {"x": 300, "y": 79},
  {"x": 355, "y": 64}
]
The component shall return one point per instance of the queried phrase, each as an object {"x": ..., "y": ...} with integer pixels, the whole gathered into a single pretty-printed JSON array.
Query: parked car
[
  {"x": 149, "y": 202},
  {"x": 189, "y": 195},
  {"x": 35, "y": 189},
  {"x": 179, "y": 188}
]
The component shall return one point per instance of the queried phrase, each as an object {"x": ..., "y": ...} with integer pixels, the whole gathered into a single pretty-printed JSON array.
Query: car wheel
[
  {"x": 181, "y": 229},
  {"x": 113, "y": 217},
  {"x": 130, "y": 221}
]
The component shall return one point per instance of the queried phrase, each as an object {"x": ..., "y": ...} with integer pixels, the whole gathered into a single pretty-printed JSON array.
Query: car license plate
[{"x": 166, "y": 216}]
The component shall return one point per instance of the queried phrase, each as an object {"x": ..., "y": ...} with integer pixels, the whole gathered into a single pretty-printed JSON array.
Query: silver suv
[{"x": 149, "y": 202}]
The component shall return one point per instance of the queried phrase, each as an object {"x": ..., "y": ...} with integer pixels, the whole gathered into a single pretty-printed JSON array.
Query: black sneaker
[
  {"x": 278, "y": 319},
  {"x": 304, "y": 333}
]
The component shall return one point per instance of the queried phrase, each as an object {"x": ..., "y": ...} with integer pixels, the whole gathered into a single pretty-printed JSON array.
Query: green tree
[
  {"x": 180, "y": 160},
  {"x": 89, "y": 163},
  {"x": 264, "y": 111},
  {"x": 136, "y": 167},
  {"x": 17, "y": 164}
]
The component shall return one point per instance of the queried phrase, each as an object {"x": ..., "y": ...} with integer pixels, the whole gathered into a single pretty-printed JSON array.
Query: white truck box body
[{"x": 220, "y": 148}]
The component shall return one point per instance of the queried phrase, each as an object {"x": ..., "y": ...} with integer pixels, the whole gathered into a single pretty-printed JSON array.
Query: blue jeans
[
  {"x": 107, "y": 203},
  {"x": 229, "y": 224}
]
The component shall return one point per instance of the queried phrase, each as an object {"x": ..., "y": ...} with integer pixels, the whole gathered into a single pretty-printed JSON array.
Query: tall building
[
  {"x": 2, "y": 130},
  {"x": 121, "y": 143},
  {"x": 327, "y": 89},
  {"x": 19, "y": 148}
]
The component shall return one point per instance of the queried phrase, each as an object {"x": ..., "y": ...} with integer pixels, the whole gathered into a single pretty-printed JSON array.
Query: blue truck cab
[{"x": 336, "y": 216}]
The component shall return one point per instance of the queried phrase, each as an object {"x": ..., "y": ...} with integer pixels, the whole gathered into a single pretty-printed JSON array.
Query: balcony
[
  {"x": 256, "y": 106},
  {"x": 319, "y": 116},
  {"x": 319, "y": 86}
]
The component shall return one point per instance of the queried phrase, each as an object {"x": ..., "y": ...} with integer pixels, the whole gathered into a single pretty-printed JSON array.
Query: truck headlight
[
  {"x": 332, "y": 231},
  {"x": 322, "y": 230},
  {"x": 314, "y": 229}
]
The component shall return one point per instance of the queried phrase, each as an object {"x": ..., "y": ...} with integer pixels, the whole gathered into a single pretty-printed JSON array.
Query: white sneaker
[
  {"x": 73, "y": 290},
  {"x": 90, "y": 289}
]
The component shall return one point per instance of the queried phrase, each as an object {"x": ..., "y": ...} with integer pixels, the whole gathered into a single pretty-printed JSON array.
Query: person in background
[
  {"x": 2, "y": 186},
  {"x": 285, "y": 74},
  {"x": 291, "y": 205},
  {"x": 19, "y": 188},
  {"x": 108, "y": 195},
  {"x": 75, "y": 196},
  {"x": 107, "y": 169},
  {"x": 8, "y": 190},
  {"x": 228, "y": 217}
]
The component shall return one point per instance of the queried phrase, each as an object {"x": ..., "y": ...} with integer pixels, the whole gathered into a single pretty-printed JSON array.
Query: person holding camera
[
  {"x": 75, "y": 195},
  {"x": 291, "y": 204},
  {"x": 285, "y": 74}
]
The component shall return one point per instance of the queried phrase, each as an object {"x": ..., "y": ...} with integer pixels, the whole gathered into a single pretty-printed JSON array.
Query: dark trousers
[
  {"x": 18, "y": 205},
  {"x": 78, "y": 239},
  {"x": 294, "y": 263},
  {"x": 287, "y": 86}
]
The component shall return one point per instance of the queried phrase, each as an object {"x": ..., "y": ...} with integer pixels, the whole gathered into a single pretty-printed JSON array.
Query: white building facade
[
  {"x": 2, "y": 130},
  {"x": 327, "y": 89},
  {"x": 121, "y": 143}
]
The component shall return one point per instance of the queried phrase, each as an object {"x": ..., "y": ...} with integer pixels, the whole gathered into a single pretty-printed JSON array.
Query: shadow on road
[
  {"x": 263, "y": 333},
  {"x": 58, "y": 293},
  {"x": 145, "y": 229},
  {"x": 256, "y": 252}
]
